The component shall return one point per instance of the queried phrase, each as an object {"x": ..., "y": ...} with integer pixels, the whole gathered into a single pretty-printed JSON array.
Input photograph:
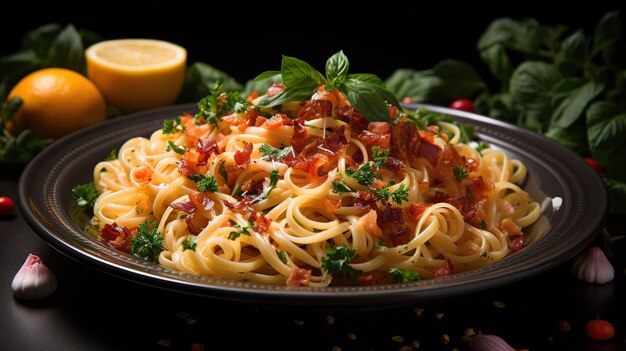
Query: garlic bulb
[
  {"x": 483, "y": 342},
  {"x": 34, "y": 281},
  {"x": 593, "y": 267}
]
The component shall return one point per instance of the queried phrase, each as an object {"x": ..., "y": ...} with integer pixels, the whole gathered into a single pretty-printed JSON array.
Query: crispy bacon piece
[
  {"x": 445, "y": 270},
  {"x": 349, "y": 115},
  {"x": 332, "y": 203},
  {"x": 415, "y": 211},
  {"x": 143, "y": 174},
  {"x": 119, "y": 237},
  {"x": 201, "y": 201},
  {"x": 430, "y": 151},
  {"x": 479, "y": 188},
  {"x": 275, "y": 89},
  {"x": 366, "y": 200},
  {"x": 335, "y": 141},
  {"x": 391, "y": 215},
  {"x": 379, "y": 128},
  {"x": 401, "y": 237},
  {"x": 253, "y": 95},
  {"x": 242, "y": 157},
  {"x": 299, "y": 277},
  {"x": 366, "y": 279},
  {"x": 186, "y": 206},
  {"x": 310, "y": 165},
  {"x": 205, "y": 148},
  {"x": 372, "y": 139},
  {"x": 193, "y": 131},
  {"x": 193, "y": 230},
  {"x": 277, "y": 121},
  {"x": 261, "y": 223},
  {"x": 314, "y": 109},
  {"x": 186, "y": 168},
  {"x": 300, "y": 134},
  {"x": 517, "y": 243},
  {"x": 396, "y": 165}
]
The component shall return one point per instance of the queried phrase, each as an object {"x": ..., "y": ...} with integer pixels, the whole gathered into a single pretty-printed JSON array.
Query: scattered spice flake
[
  {"x": 351, "y": 336},
  {"x": 330, "y": 320},
  {"x": 197, "y": 347},
  {"x": 415, "y": 344},
  {"x": 419, "y": 312},
  {"x": 445, "y": 339},
  {"x": 565, "y": 325},
  {"x": 191, "y": 320},
  {"x": 298, "y": 322},
  {"x": 438, "y": 316},
  {"x": 499, "y": 304},
  {"x": 164, "y": 342},
  {"x": 397, "y": 338}
]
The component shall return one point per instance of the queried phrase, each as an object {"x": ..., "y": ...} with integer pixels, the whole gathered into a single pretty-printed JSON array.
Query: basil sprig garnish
[{"x": 365, "y": 92}]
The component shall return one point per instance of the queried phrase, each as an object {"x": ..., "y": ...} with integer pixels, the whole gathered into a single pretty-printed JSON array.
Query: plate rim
[{"x": 315, "y": 297}]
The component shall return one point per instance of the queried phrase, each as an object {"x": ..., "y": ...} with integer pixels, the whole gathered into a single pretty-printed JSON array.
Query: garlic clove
[
  {"x": 592, "y": 266},
  {"x": 34, "y": 281},
  {"x": 485, "y": 342}
]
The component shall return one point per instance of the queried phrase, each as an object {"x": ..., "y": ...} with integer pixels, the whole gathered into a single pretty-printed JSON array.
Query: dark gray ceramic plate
[{"x": 572, "y": 195}]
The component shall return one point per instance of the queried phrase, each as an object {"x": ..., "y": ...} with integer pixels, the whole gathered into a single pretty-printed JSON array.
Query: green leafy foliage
[
  {"x": 336, "y": 263},
  {"x": 271, "y": 153},
  {"x": 190, "y": 243},
  {"x": 148, "y": 243},
  {"x": 204, "y": 183},
  {"x": 273, "y": 181},
  {"x": 567, "y": 84},
  {"x": 85, "y": 195},
  {"x": 341, "y": 187},
  {"x": 241, "y": 230},
  {"x": 403, "y": 276},
  {"x": 364, "y": 175},
  {"x": 201, "y": 78},
  {"x": 219, "y": 103}
]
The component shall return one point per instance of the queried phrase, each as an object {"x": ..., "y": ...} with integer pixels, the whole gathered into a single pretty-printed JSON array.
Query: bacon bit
[
  {"x": 261, "y": 222},
  {"x": 427, "y": 136},
  {"x": 250, "y": 117},
  {"x": 242, "y": 157},
  {"x": 275, "y": 89},
  {"x": 205, "y": 148},
  {"x": 378, "y": 184},
  {"x": 393, "y": 112},
  {"x": 252, "y": 188},
  {"x": 310, "y": 165},
  {"x": 331, "y": 204},
  {"x": 371, "y": 139},
  {"x": 190, "y": 226},
  {"x": 396, "y": 165},
  {"x": 300, "y": 134},
  {"x": 335, "y": 141},
  {"x": 118, "y": 237},
  {"x": 351, "y": 116},
  {"x": 401, "y": 237},
  {"x": 201, "y": 201},
  {"x": 451, "y": 157},
  {"x": 253, "y": 95},
  {"x": 314, "y": 109},
  {"x": 517, "y": 244},
  {"x": 415, "y": 211},
  {"x": 430, "y": 151},
  {"x": 392, "y": 215},
  {"x": 366, "y": 200},
  {"x": 193, "y": 131},
  {"x": 479, "y": 188},
  {"x": 335, "y": 97},
  {"x": 143, "y": 174},
  {"x": 299, "y": 277},
  {"x": 369, "y": 222},
  {"x": 259, "y": 121},
  {"x": 186, "y": 168},
  {"x": 186, "y": 206},
  {"x": 276, "y": 121},
  {"x": 366, "y": 279},
  {"x": 472, "y": 164},
  {"x": 445, "y": 270},
  {"x": 379, "y": 127}
]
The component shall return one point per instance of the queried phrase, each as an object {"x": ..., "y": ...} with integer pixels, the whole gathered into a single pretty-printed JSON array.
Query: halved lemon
[{"x": 137, "y": 74}]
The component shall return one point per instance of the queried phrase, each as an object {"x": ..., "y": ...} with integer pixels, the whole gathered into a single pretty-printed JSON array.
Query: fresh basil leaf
[
  {"x": 15, "y": 66},
  {"x": 266, "y": 74},
  {"x": 498, "y": 62},
  {"x": 523, "y": 36},
  {"x": 420, "y": 86},
  {"x": 617, "y": 195},
  {"x": 337, "y": 69},
  {"x": 460, "y": 79},
  {"x": 379, "y": 86},
  {"x": 297, "y": 73},
  {"x": 40, "y": 40},
  {"x": 365, "y": 97},
  {"x": 292, "y": 94},
  {"x": 200, "y": 78},
  {"x": 607, "y": 32},
  {"x": 571, "y": 56},
  {"x": 573, "y": 137},
  {"x": 606, "y": 127},
  {"x": 570, "y": 97},
  {"x": 67, "y": 50}
]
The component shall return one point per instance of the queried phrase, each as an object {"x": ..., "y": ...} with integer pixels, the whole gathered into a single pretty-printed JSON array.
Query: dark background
[{"x": 246, "y": 40}]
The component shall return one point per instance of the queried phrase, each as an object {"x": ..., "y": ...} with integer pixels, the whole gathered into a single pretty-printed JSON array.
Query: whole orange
[{"x": 56, "y": 102}]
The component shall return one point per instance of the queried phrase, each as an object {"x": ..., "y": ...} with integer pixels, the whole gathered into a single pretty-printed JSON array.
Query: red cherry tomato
[
  {"x": 598, "y": 329},
  {"x": 463, "y": 104},
  {"x": 594, "y": 164},
  {"x": 6, "y": 206}
]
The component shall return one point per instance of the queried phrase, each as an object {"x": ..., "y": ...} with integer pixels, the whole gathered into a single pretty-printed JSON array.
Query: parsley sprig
[
  {"x": 271, "y": 153},
  {"x": 204, "y": 183},
  {"x": 241, "y": 230},
  {"x": 220, "y": 103},
  {"x": 148, "y": 243},
  {"x": 366, "y": 92},
  {"x": 85, "y": 194},
  {"x": 336, "y": 262}
]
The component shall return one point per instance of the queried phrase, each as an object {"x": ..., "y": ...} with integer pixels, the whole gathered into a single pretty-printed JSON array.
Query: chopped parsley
[
  {"x": 364, "y": 175},
  {"x": 273, "y": 181},
  {"x": 341, "y": 187},
  {"x": 190, "y": 243},
  {"x": 177, "y": 149},
  {"x": 282, "y": 255},
  {"x": 204, "y": 183},
  {"x": 171, "y": 126},
  {"x": 222, "y": 171},
  {"x": 403, "y": 276},
  {"x": 336, "y": 263},
  {"x": 148, "y": 243},
  {"x": 220, "y": 103},
  {"x": 112, "y": 155},
  {"x": 85, "y": 194},
  {"x": 245, "y": 230},
  {"x": 379, "y": 156},
  {"x": 460, "y": 173},
  {"x": 483, "y": 224},
  {"x": 271, "y": 153},
  {"x": 481, "y": 146},
  {"x": 397, "y": 196}
]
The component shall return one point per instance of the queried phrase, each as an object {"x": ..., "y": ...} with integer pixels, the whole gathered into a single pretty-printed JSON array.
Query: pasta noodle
[{"x": 276, "y": 195}]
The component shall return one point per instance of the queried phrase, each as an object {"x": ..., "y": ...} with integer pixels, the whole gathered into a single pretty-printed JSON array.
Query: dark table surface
[{"x": 92, "y": 310}]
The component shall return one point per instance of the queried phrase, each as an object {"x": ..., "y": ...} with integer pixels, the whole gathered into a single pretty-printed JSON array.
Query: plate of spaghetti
[{"x": 311, "y": 202}]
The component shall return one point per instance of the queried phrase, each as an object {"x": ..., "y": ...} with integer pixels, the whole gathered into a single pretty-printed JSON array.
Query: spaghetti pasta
[{"x": 312, "y": 194}]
